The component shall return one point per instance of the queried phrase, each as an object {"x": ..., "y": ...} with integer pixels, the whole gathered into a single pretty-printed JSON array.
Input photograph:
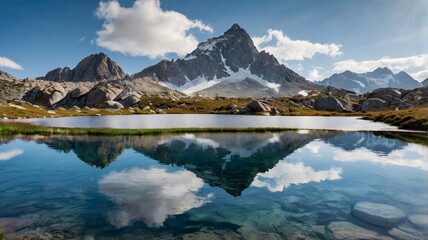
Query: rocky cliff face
[
  {"x": 229, "y": 61},
  {"x": 367, "y": 82},
  {"x": 96, "y": 67}
]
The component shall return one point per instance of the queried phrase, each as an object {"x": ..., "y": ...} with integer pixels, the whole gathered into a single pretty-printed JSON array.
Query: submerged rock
[
  {"x": 349, "y": 231},
  {"x": 402, "y": 235},
  {"x": 378, "y": 214},
  {"x": 419, "y": 220}
]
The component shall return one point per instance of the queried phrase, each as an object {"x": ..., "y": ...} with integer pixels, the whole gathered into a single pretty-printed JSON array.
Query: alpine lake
[{"x": 356, "y": 180}]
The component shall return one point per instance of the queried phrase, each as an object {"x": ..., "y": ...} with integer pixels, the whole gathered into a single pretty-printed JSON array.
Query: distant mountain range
[
  {"x": 231, "y": 66},
  {"x": 367, "y": 82}
]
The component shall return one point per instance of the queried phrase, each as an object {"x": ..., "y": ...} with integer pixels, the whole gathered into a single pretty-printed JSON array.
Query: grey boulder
[
  {"x": 102, "y": 93},
  {"x": 331, "y": 104},
  {"x": 109, "y": 105},
  {"x": 378, "y": 214},
  {"x": 374, "y": 104},
  {"x": 258, "y": 106}
]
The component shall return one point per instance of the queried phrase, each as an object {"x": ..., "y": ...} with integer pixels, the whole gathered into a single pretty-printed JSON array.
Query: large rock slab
[
  {"x": 47, "y": 96},
  {"x": 331, "y": 104},
  {"x": 378, "y": 214},
  {"x": 102, "y": 93},
  {"x": 258, "y": 106},
  {"x": 349, "y": 231},
  {"x": 374, "y": 104}
]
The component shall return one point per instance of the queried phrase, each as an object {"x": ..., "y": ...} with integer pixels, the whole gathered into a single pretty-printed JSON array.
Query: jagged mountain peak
[
  {"x": 382, "y": 71},
  {"x": 234, "y": 29},
  {"x": 228, "y": 60},
  {"x": 95, "y": 67}
]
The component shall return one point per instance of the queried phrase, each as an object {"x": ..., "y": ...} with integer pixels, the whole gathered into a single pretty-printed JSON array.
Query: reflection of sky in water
[
  {"x": 284, "y": 174},
  {"x": 318, "y": 177},
  {"x": 215, "y": 121},
  {"x": 411, "y": 155},
  {"x": 7, "y": 155},
  {"x": 150, "y": 195}
]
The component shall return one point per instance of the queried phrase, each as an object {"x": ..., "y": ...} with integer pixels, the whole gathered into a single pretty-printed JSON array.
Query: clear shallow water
[
  {"x": 214, "y": 121},
  {"x": 200, "y": 186}
]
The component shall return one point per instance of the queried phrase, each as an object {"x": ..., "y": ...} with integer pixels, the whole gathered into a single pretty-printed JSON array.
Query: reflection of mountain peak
[
  {"x": 354, "y": 140},
  {"x": 95, "y": 151},
  {"x": 230, "y": 161}
]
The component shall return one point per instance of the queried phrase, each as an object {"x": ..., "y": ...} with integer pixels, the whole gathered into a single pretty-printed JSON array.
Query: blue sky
[{"x": 314, "y": 38}]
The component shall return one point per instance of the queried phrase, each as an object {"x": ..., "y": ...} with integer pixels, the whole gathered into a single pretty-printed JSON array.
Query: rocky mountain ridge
[
  {"x": 369, "y": 81},
  {"x": 95, "y": 67},
  {"x": 231, "y": 66},
  {"x": 6, "y": 76}
]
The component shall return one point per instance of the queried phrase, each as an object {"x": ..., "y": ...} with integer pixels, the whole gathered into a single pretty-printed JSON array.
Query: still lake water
[
  {"x": 287, "y": 185},
  {"x": 213, "y": 121}
]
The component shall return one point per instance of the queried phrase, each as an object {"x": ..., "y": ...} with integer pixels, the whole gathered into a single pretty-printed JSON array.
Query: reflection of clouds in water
[
  {"x": 150, "y": 195},
  {"x": 284, "y": 174},
  {"x": 412, "y": 155},
  {"x": 4, "y": 156}
]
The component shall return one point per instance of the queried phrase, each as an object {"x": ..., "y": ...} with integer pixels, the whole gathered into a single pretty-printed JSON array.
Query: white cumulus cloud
[
  {"x": 6, "y": 62},
  {"x": 146, "y": 30},
  {"x": 421, "y": 75},
  {"x": 395, "y": 64},
  {"x": 316, "y": 74},
  {"x": 286, "y": 49},
  {"x": 4, "y": 156}
]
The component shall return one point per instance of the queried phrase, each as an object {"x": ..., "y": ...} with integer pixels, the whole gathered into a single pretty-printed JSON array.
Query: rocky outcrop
[
  {"x": 374, "y": 104},
  {"x": 110, "y": 94},
  {"x": 6, "y": 76},
  {"x": 378, "y": 214},
  {"x": 332, "y": 104},
  {"x": 96, "y": 67},
  {"x": 47, "y": 96},
  {"x": 229, "y": 61},
  {"x": 102, "y": 93}
]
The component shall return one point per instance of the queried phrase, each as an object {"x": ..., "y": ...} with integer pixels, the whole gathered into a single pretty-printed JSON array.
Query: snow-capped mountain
[
  {"x": 229, "y": 65},
  {"x": 367, "y": 82}
]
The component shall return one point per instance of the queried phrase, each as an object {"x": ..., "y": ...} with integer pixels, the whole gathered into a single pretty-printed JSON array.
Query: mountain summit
[
  {"x": 367, "y": 82},
  {"x": 229, "y": 65},
  {"x": 95, "y": 67}
]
